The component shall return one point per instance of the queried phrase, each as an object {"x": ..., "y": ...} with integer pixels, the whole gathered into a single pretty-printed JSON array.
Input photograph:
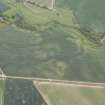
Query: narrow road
[
  {"x": 54, "y": 81},
  {"x": 57, "y": 82},
  {"x": 70, "y": 84}
]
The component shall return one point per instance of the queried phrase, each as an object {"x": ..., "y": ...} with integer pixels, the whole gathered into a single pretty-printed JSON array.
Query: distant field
[
  {"x": 66, "y": 95},
  {"x": 89, "y": 13}
]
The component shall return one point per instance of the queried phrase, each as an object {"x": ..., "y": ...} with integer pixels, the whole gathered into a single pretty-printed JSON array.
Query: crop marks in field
[{"x": 67, "y": 95}]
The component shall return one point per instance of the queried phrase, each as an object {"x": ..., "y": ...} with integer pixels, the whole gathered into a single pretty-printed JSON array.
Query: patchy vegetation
[{"x": 32, "y": 17}]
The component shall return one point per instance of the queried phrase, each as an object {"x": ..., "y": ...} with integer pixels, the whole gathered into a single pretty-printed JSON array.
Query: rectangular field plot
[{"x": 67, "y": 95}]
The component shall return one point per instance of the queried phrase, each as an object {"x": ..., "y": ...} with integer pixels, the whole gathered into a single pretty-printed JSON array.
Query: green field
[
  {"x": 67, "y": 95},
  {"x": 54, "y": 53}
]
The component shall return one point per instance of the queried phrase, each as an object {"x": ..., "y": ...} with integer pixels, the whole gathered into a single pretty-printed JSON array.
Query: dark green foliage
[{"x": 21, "y": 92}]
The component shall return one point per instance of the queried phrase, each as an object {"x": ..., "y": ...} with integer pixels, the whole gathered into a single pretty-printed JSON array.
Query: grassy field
[
  {"x": 58, "y": 52},
  {"x": 67, "y": 95},
  {"x": 55, "y": 48}
]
